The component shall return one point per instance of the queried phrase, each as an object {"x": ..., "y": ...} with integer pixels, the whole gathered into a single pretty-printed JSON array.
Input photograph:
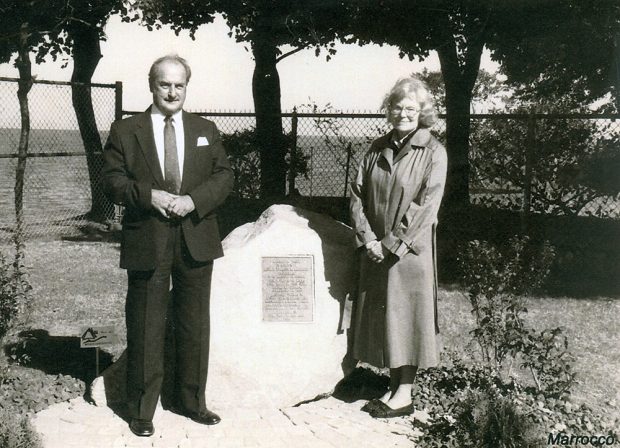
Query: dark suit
[{"x": 153, "y": 248}]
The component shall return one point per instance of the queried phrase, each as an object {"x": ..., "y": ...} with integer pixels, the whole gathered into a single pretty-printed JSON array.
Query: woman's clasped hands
[{"x": 376, "y": 251}]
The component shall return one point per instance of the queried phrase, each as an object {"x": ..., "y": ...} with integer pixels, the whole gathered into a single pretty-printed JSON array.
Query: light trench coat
[{"x": 395, "y": 199}]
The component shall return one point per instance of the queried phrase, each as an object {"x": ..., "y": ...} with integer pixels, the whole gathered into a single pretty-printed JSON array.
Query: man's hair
[{"x": 169, "y": 58}]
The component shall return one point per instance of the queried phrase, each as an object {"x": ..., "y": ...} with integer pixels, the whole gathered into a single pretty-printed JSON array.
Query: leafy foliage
[
  {"x": 527, "y": 39},
  {"x": 242, "y": 148},
  {"x": 50, "y": 24},
  {"x": 479, "y": 403},
  {"x": 473, "y": 407},
  {"x": 21, "y": 391},
  {"x": 24, "y": 392},
  {"x": 530, "y": 40},
  {"x": 574, "y": 161},
  {"x": 496, "y": 278},
  {"x": 290, "y": 23},
  {"x": 16, "y": 432}
]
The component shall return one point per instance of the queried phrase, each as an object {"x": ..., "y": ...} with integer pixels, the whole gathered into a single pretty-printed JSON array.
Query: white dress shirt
[{"x": 157, "y": 118}]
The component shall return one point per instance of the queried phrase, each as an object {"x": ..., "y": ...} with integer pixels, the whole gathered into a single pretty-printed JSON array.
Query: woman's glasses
[{"x": 409, "y": 111}]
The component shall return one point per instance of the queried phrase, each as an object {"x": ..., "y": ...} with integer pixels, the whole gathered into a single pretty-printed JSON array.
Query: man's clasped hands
[{"x": 172, "y": 205}]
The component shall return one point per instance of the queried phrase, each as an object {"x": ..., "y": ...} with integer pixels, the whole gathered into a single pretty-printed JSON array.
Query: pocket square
[{"x": 202, "y": 141}]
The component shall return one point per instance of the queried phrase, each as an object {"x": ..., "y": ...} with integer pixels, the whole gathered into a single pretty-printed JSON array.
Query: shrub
[
  {"x": 495, "y": 421},
  {"x": 472, "y": 407},
  {"x": 242, "y": 148},
  {"x": 16, "y": 432},
  {"x": 480, "y": 403},
  {"x": 497, "y": 277}
]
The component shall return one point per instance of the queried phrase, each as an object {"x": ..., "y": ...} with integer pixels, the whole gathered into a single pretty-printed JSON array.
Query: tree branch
[{"x": 303, "y": 47}]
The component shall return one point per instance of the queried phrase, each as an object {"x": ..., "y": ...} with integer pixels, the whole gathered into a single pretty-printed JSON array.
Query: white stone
[{"x": 282, "y": 363}]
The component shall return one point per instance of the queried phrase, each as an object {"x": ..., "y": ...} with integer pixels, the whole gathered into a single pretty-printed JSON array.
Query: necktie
[{"x": 172, "y": 173}]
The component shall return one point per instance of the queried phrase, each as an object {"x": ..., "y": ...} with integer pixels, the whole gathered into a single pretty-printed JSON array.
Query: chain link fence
[
  {"x": 537, "y": 163},
  {"x": 547, "y": 164},
  {"x": 553, "y": 164},
  {"x": 57, "y": 185}
]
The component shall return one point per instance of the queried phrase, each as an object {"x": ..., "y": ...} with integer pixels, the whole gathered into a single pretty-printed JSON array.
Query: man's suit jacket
[{"x": 132, "y": 169}]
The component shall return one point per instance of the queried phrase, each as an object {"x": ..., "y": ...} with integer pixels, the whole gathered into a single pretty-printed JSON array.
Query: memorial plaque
[{"x": 288, "y": 289}]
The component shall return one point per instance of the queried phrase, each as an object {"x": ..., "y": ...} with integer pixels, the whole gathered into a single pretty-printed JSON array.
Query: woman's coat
[{"x": 395, "y": 199}]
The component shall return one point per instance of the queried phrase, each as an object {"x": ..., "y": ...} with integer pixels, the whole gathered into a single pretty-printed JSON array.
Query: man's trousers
[{"x": 148, "y": 296}]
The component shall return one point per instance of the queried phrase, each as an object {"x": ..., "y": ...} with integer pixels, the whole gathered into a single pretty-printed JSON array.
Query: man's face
[{"x": 169, "y": 87}]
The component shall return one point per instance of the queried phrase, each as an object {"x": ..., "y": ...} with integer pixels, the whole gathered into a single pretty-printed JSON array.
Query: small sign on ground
[{"x": 97, "y": 336}]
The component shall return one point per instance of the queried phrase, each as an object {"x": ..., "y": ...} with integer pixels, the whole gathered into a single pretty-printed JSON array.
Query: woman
[{"x": 394, "y": 204}]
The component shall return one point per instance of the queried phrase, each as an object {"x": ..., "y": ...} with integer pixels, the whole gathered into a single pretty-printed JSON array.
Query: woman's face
[{"x": 404, "y": 115}]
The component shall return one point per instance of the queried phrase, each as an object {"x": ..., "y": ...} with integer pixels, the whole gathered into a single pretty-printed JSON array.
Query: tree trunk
[
  {"x": 459, "y": 81},
  {"x": 86, "y": 55},
  {"x": 25, "y": 82},
  {"x": 270, "y": 137}
]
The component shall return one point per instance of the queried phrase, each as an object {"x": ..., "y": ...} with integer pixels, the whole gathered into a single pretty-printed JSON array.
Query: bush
[
  {"x": 16, "y": 432},
  {"x": 472, "y": 407},
  {"x": 480, "y": 403},
  {"x": 15, "y": 429},
  {"x": 242, "y": 148},
  {"x": 497, "y": 276},
  {"x": 495, "y": 421}
]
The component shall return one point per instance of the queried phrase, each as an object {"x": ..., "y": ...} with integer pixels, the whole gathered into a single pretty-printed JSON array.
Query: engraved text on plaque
[{"x": 288, "y": 289}]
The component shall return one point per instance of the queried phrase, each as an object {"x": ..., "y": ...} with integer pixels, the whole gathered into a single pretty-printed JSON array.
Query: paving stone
[{"x": 172, "y": 432}]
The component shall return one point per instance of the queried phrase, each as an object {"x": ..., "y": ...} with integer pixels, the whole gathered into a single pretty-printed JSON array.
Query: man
[{"x": 170, "y": 171}]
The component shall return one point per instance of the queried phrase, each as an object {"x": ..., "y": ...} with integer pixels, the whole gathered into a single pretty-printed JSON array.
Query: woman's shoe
[
  {"x": 384, "y": 411},
  {"x": 372, "y": 404}
]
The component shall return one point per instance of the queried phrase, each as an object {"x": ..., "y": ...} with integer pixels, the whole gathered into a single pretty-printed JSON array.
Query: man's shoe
[
  {"x": 204, "y": 417},
  {"x": 141, "y": 428}
]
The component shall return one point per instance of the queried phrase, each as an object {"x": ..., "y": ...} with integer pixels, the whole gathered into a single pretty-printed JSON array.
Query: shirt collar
[{"x": 176, "y": 117}]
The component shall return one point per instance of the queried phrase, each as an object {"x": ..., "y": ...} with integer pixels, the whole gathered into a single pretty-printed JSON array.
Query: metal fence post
[
  {"x": 346, "y": 173},
  {"x": 118, "y": 115},
  {"x": 118, "y": 100},
  {"x": 293, "y": 164},
  {"x": 529, "y": 165}
]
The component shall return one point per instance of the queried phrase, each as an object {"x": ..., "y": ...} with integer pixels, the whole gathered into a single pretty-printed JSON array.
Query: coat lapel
[
  {"x": 419, "y": 139},
  {"x": 146, "y": 140}
]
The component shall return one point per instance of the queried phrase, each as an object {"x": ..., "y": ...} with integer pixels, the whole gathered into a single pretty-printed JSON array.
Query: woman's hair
[
  {"x": 417, "y": 90},
  {"x": 169, "y": 58}
]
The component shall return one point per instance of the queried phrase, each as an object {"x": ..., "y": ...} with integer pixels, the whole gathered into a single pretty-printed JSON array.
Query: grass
[{"x": 78, "y": 284}]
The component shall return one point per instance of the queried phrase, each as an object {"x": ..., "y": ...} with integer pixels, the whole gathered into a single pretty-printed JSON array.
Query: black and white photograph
[{"x": 310, "y": 224}]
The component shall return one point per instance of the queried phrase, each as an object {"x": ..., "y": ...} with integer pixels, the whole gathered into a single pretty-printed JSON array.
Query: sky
[{"x": 356, "y": 79}]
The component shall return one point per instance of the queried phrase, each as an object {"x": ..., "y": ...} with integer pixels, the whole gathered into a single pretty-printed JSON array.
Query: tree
[
  {"x": 575, "y": 160},
  {"x": 84, "y": 37},
  {"x": 274, "y": 29},
  {"x": 80, "y": 37},
  {"x": 532, "y": 40},
  {"x": 64, "y": 27},
  {"x": 26, "y": 26}
]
